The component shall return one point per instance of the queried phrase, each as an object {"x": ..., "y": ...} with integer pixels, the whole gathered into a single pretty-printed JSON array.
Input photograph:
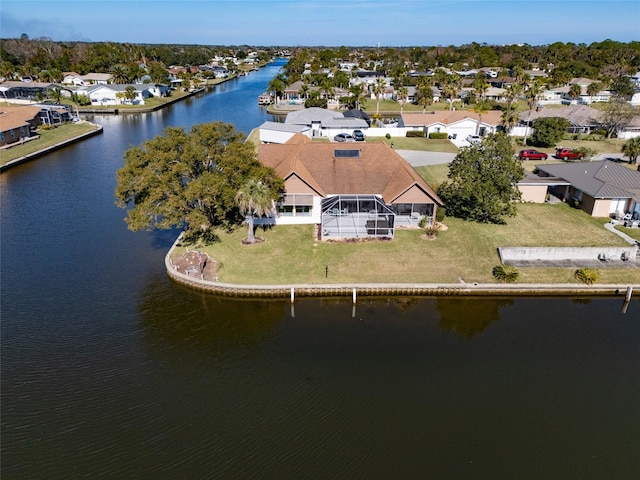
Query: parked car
[
  {"x": 358, "y": 136},
  {"x": 343, "y": 137},
  {"x": 532, "y": 155},
  {"x": 474, "y": 139},
  {"x": 567, "y": 154}
]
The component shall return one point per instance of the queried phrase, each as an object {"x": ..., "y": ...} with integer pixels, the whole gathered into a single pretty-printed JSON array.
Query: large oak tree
[
  {"x": 482, "y": 181},
  {"x": 190, "y": 180}
]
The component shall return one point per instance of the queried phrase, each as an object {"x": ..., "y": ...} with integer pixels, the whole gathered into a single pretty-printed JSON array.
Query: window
[{"x": 293, "y": 205}]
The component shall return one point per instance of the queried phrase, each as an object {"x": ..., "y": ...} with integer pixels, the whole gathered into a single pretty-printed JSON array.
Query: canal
[{"x": 110, "y": 370}]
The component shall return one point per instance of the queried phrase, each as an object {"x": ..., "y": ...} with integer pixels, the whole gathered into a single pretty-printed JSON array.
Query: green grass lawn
[
  {"x": 417, "y": 143},
  {"x": 47, "y": 139},
  {"x": 466, "y": 251}
]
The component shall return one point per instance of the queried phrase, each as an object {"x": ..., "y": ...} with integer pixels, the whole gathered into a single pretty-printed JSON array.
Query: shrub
[
  {"x": 432, "y": 230},
  {"x": 388, "y": 136},
  {"x": 588, "y": 276},
  {"x": 423, "y": 222},
  {"x": 505, "y": 273},
  {"x": 414, "y": 133},
  {"x": 438, "y": 135},
  {"x": 441, "y": 212}
]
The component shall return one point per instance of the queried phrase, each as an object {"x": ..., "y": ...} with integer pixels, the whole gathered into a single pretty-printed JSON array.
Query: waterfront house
[
  {"x": 26, "y": 91},
  {"x": 363, "y": 190},
  {"x": 324, "y": 122},
  {"x": 114, "y": 94},
  {"x": 602, "y": 189},
  {"x": 18, "y": 124}
]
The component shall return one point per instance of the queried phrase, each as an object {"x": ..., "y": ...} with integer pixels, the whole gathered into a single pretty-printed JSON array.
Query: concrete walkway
[{"x": 609, "y": 226}]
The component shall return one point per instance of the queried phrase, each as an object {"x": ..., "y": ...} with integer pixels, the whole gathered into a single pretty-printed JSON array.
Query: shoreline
[
  {"x": 51, "y": 148},
  {"x": 395, "y": 289}
]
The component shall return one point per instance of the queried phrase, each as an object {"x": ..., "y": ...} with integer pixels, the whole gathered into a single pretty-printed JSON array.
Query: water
[{"x": 110, "y": 370}]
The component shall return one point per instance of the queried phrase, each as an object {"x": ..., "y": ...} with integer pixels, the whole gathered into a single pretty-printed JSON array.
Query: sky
[{"x": 350, "y": 23}]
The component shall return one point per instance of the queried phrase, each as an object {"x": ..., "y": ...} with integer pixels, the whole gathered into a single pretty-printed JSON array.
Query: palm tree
[
  {"x": 575, "y": 90},
  {"x": 480, "y": 85},
  {"x": 480, "y": 108},
  {"x": 533, "y": 92},
  {"x": 378, "y": 91},
  {"x": 631, "y": 149},
  {"x": 356, "y": 97},
  {"x": 509, "y": 117},
  {"x": 119, "y": 74},
  {"x": 253, "y": 199},
  {"x": 277, "y": 86},
  {"x": 451, "y": 86},
  {"x": 403, "y": 94},
  {"x": 425, "y": 93},
  {"x": 513, "y": 92},
  {"x": 593, "y": 89},
  {"x": 304, "y": 90}
]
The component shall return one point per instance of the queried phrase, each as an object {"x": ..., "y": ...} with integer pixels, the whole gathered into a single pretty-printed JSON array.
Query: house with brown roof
[
  {"x": 363, "y": 190},
  {"x": 18, "y": 124},
  {"x": 457, "y": 123}
]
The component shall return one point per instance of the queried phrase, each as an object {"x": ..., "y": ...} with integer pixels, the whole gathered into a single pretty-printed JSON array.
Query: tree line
[{"x": 39, "y": 57}]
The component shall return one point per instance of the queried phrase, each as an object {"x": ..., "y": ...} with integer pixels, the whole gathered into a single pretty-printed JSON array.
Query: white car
[{"x": 474, "y": 139}]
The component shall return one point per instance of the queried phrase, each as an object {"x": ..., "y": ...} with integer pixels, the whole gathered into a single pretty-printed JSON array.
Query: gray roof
[
  {"x": 327, "y": 118},
  {"x": 579, "y": 115},
  {"x": 121, "y": 87},
  {"x": 283, "y": 127},
  {"x": 605, "y": 179}
]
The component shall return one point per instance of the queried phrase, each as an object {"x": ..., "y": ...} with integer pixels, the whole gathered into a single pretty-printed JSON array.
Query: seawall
[
  {"x": 51, "y": 148},
  {"x": 391, "y": 289}
]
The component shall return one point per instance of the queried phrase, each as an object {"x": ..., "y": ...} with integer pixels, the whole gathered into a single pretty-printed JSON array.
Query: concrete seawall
[
  {"x": 51, "y": 148},
  {"x": 390, "y": 289},
  {"x": 581, "y": 256}
]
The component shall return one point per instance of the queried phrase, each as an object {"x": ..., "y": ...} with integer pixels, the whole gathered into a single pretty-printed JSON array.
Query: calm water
[{"x": 109, "y": 370}]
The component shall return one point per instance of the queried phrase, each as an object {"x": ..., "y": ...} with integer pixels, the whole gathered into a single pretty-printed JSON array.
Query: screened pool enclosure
[{"x": 356, "y": 216}]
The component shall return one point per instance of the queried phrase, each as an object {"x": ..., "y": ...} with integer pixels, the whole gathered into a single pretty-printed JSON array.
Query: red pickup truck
[{"x": 567, "y": 154}]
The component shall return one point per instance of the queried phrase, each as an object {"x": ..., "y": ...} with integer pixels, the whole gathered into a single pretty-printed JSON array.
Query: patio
[{"x": 356, "y": 216}]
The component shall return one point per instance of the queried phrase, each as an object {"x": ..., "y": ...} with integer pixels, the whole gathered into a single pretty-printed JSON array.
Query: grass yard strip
[
  {"x": 47, "y": 139},
  {"x": 466, "y": 251},
  {"x": 417, "y": 143}
]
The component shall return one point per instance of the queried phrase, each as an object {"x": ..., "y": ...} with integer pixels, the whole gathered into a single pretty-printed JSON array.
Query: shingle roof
[
  {"x": 448, "y": 117},
  {"x": 579, "y": 115},
  {"x": 377, "y": 170},
  {"x": 605, "y": 179},
  {"x": 14, "y": 117},
  {"x": 327, "y": 118}
]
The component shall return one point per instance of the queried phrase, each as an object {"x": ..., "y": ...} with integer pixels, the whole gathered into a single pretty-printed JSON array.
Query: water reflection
[{"x": 467, "y": 317}]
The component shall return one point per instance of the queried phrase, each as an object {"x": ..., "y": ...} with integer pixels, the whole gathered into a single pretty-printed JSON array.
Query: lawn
[
  {"x": 47, "y": 139},
  {"x": 466, "y": 251},
  {"x": 417, "y": 143}
]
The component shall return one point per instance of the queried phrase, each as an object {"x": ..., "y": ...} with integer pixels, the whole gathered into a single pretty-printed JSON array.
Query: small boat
[{"x": 265, "y": 99}]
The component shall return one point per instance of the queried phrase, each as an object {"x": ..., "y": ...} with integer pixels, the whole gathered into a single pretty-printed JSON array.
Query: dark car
[
  {"x": 358, "y": 136},
  {"x": 532, "y": 155},
  {"x": 567, "y": 154},
  {"x": 343, "y": 137}
]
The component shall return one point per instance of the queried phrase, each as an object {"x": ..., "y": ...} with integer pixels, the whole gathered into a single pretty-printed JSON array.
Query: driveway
[{"x": 418, "y": 158}]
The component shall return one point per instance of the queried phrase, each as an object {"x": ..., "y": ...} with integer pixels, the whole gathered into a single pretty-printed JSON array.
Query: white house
[
  {"x": 113, "y": 94},
  {"x": 325, "y": 123},
  {"x": 276, "y": 132},
  {"x": 457, "y": 124}
]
